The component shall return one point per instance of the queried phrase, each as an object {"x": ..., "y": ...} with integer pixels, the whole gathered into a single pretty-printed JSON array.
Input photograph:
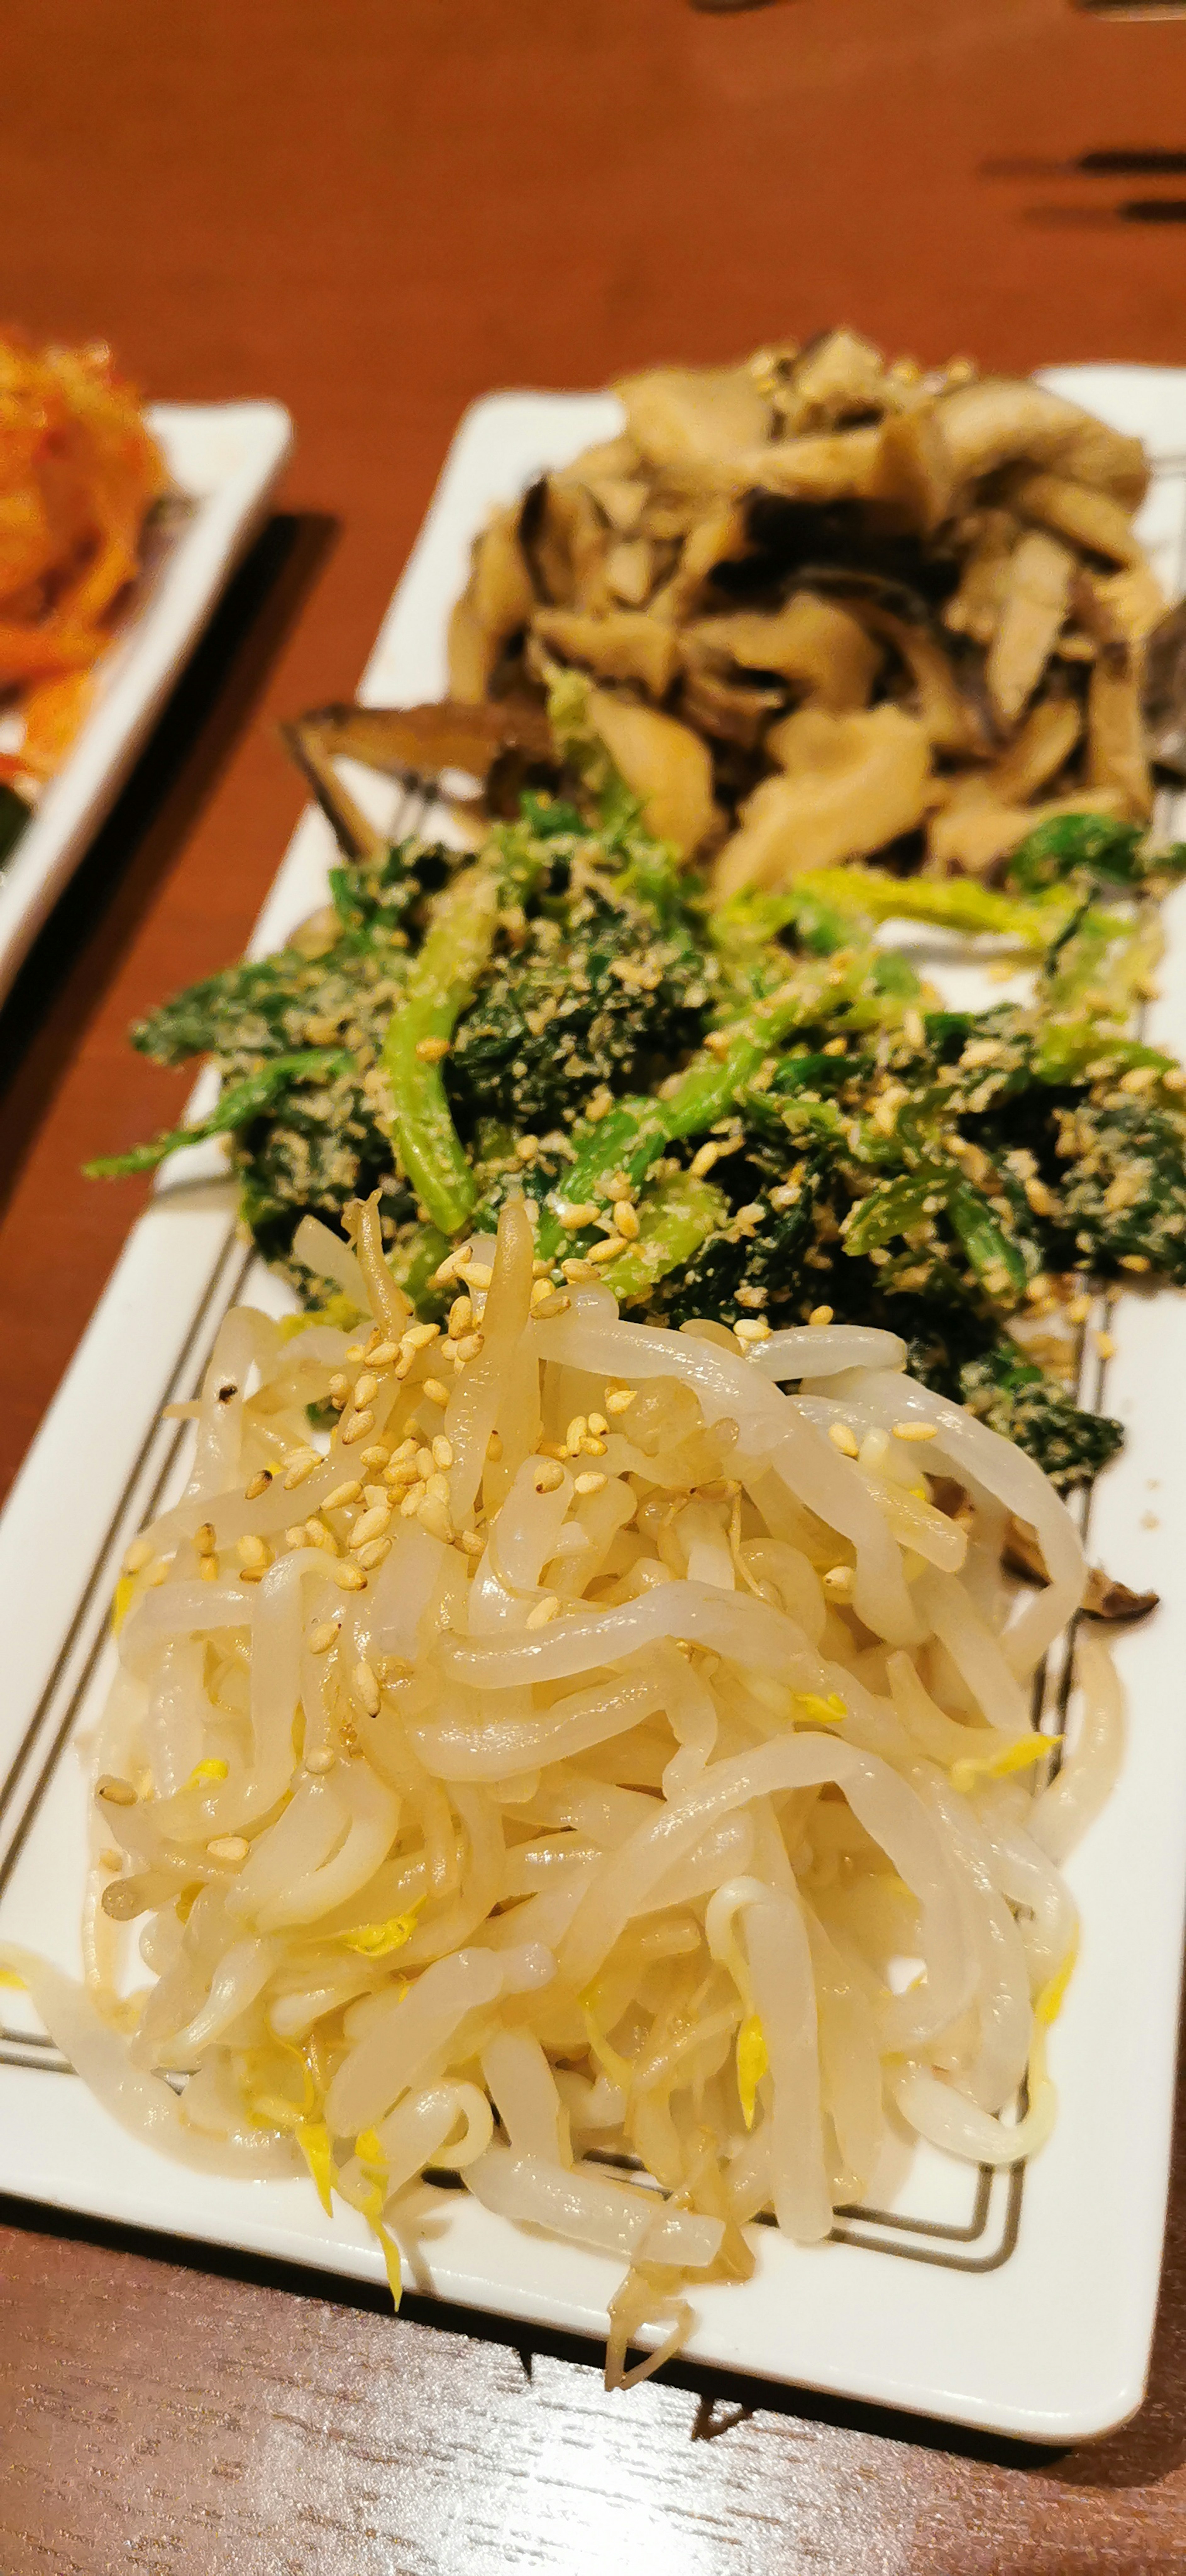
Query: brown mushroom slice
[
  {"x": 835, "y": 377},
  {"x": 973, "y": 837},
  {"x": 1085, "y": 516},
  {"x": 446, "y": 733},
  {"x": 1009, "y": 421},
  {"x": 1104, "y": 1597},
  {"x": 624, "y": 645},
  {"x": 718, "y": 537},
  {"x": 620, "y": 501},
  {"x": 1040, "y": 748},
  {"x": 1116, "y": 753},
  {"x": 686, "y": 420},
  {"x": 837, "y": 465},
  {"x": 612, "y": 458},
  {"x": 849, "y": 784},
  {"x": 820, "y": 648},
  {"x": 916, "y": 472},
  {"x": 947, "y": 717},
  {"x": 1037, "y": 597},
  {"x": 663, "y": 763},
  {"x": 565, "y": 542},
  {"x": 630, "y": 571},
  {"x": 497, "y": 601},
  {"x": 975, "y": 606},
  {"x": 729, "y": 710},
  {"x": 1119, "y": 607}
]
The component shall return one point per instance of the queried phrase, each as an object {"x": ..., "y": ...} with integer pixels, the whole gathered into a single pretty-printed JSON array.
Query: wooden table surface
[{"x": 378, "y": 210}]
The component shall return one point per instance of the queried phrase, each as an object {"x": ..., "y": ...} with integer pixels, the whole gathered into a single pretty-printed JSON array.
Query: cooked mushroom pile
[{"x": 827, "y": 604}]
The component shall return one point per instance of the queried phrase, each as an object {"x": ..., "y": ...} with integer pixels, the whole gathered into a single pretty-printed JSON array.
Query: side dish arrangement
[{"x": 546, "y": 1751}]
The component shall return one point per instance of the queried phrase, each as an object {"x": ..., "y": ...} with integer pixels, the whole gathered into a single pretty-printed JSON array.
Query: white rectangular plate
[
  {"x": 223, "y": 459},
  {"x": 1019, "y": 2302}
]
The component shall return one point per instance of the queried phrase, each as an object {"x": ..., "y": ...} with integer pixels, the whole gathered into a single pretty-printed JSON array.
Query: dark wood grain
[{"x": 377, "y": 212}]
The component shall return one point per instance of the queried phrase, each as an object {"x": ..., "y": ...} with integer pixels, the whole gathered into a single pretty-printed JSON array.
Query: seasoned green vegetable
[{"x": 787, "y": 1114}]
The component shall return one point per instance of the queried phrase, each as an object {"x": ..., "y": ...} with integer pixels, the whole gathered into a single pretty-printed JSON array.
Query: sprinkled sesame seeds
[
  {"x": 204, "y": 1539},
  {"x": 317, "y": 1535},
  {"x": 607, "y": 1251},
  {"x": 373, "y": 1554},
  {"x": 442, "y": 1451},
  {"x": 366, "y": 1686},
  {"x": 590, "y": 1481},
  {"x": 357, "y": 1428},
  {"x": 320, "y": 1759},
  {"x": 322, "y": 1637},
  {"x": 366, "y": 1390},
  {"x": 435, "y": 1392},
  {"x": 839, "y": 1582},
  {"x": 432, "y": 1050},
  {"x": 349, "y": 1578},
  {"x": 257, "y": 1484},
  {"x": 821, "y": 1315},
  {"x": 548, "y": 1476},
  {"x": 350, "y": 1492},
  {"x": 472, "y": 1543},
  {"x": 418, "y": 1337},
  {"x": 468, "y": 1347},
  {"x": 374, "y": 1457},
  {"x": 254, "y": 1556},
  {"x": 752, "y": 1328},
  {"x": 1106, "y": 1346},
  {"x": 916, "y": 1430},
  {"x": 136, "y": 1557},
  {"x": 370, "y": 1524},
  {"x": 299, "y": 1464},
  {"x": 494, "y": 1448},
  {"x": 115, "y": 1792},
  {"x": 231, "y": 1848},
  {"x": 844, "y": 1439},
  {"x": 620, "y": 1399}
]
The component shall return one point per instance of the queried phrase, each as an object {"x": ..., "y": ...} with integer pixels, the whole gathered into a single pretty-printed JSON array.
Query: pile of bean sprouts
[{"x": 597, "y": 1773}]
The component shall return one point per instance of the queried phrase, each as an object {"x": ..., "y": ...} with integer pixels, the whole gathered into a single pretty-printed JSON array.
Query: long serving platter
[{"x": 1021, "y": 2302}]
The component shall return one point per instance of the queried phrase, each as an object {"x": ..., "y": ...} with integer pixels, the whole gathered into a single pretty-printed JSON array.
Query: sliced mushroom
[
  {"x": 624, "y": 645},
  {"x": 1037, "y": 752},
  {"x": 1165, "y": 692},
  {"x": 835, "y": 378},
  {"x": 850, "y": 784},
  {"x": 565, "y": 542},
  {"x": 838, "y": 465},
  {"x": 688, "y": 422},
  {"x": 663, "y": 763},
  {"x": 1007, "y": 421},
  {"x": 1120, "y": 607},
  {"x": 729, "y": 710},
  {"x": 975, "y": 606},
  {"x": 1116, "y": 755},
  {"x": 1104, "y": 1597},
  {"x": 630, "y": 569},
  {"x": 496, "y": 603},
  {"x": 1088, "y": 517},
  {"x": 1037, "y": 596},
  {"x": 447, "y": 734},
  {"x": 815, "y": 645},
  {"x": 973, "y": 837},
  {"x": 950, "y": 722},
  {"x": 915, "y": 470},
  {"x": 719, "y": 538}
]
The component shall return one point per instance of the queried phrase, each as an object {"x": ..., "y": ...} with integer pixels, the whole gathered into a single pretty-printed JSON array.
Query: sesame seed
[
  {"x": 370, "y": 1525},
  {"x": 1078, "y": 1310},
  {"x": 843, "y": 1438},
  {"x": 366, "y": 1686},
  {"x": 702, "y": 1161},
  {"x": 479, "y": 1274},
  {"x": 627, "y": 1218},
  {"x": 1106, "y": 1346},
  {"x": 469, "y": 1347},
  {"x": 204, "y": 1539},
  {"x": 157, "y": 1573},
  {"x": 590, "y": 1482},
  {"x": 432, "y": 1050},
  {"x": 1139, "y": 1077},
  {"x": 718, "y": 1042},
  {"x": 619, "y": 1186},
  {"x": 299, "y": 1464},
  {"x": 548, "y": 1477},
  {"x": 1175, "y": 1081},
  {"x": 437, "y": 1488},
  {"x": 840, "y": 1582},
  {"x": 442, "y": 1451},
  {"x": 137, "y": 1555},
  {"x": 916, "y": 1430},
  {"x": 621, "y": 1399},
  {"x": 599, "y": 1106},
  {"x": 374, "y": 1457},
  {"x": 1133, "y": 1261},
  {"x": 295, "y": 1536},
  {"x": 355, "y": 1351},
  {"x": 418, "y": 1337},
  {"x": 591, "y": 1446},
  {"x": 339, "y": 1384},
  {"x": 317, "y": 1535},
  {"x": 253, "y": 1553},
  {"x": 349, "y": 1578},
  {"x": 434, "y": 1517},
  {"x": 543, "y": 1269},
  {"x": 321, "y": 1759},
  {"x": 384, "y": 1355},
  {"x": 576, "y": 1432},
  {"x": 472, "y": 1542},
  {"x": 549, "y": 1306},
  {"x": 424, "y": 1461},
  {"x": 208, "y": 1569},
  {"x": 461, "y": 1315},
  {"x": 258, "y": 1485},
  {"x": 115, "y": 1792},
  {"x": 228, "y": 1847},
  {"x": 494, "y": 1448},
  {"x": 752, "y": 1328},
  {"x": 821, "y": 1315},
  {"x": 577, "y": 1269},
  {"x": 342, "y": 1494},
  {"x": 598, "y": 1425},
  {"x": 357, "y": 1428},
  {"x": 411, "y": 1501},
  {"x": 321, "y": 1637},
  {"x": 109, "y": 1858},
  {"x": 435, "y": 1392},
  {"x": 607, "y": 1251},
  {"x": 527, "y": 1148},
  {"x": 574, "y": 1215},
  {"x": 365, "y": 1391},
  {"x": 544, "y": 1611}
]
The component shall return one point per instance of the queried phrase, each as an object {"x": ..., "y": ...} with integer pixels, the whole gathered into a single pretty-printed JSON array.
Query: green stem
[
  {"x": 440, "y": 987},
  {"x": 670, "y": 1230},
  {"x": 239, "y": 1103}
]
